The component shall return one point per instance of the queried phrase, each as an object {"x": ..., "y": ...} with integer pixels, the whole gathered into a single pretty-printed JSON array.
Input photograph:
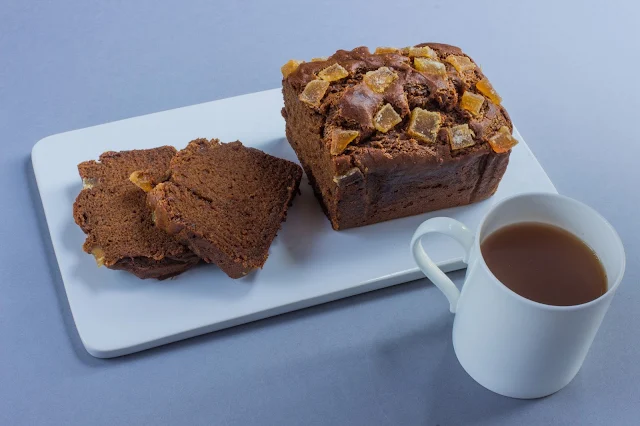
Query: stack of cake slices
[{"x": 158, "y": 212}]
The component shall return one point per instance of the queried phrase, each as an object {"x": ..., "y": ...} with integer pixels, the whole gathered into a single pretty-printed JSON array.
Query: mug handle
[{"x": 454, "y": 229}]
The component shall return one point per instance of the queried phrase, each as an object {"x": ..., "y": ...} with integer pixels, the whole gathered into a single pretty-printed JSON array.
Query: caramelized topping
[
  {"x": 334, "y": 72},
  {"x": 340, "y": 139},
  {"x": 424, "y": 51},
  {"x": 485, "y": 87},
  {"x": 386, "y": 118},
  {"x": 380, "y": 79},
  {"x": 461, "y": 137},
  {"x": 319, "y": 59},
  {"x": 424, "y": 125},
  {"x": 430, "y": 66},
  {"x": 314, "y": 92},
  {"x": 472, "y": 102},
  {"x": 290, "y": 67},
  {"x": 502, "y": 141},
  {"x": 98, "y": 253},
  {"x": 461, "y": 63},
  {"x": 383, "y": 50}
]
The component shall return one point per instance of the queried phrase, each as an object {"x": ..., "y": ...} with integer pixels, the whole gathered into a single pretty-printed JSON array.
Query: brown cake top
[
  {"x": 230, "y": 195},
  {"x": 427, "y": 96},
  {"x": 113, "y": 213}
]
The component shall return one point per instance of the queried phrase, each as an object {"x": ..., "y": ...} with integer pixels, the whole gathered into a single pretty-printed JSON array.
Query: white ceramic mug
[{"x": 509, "y": 344}]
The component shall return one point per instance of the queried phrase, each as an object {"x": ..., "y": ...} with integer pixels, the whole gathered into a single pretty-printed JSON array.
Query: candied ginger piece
[
  {"x": 461, "y": 136},
  {"x": 88, "y": 183},
  {"x": 461, "y": 63},
  {"x": 424, "y": 51},
  {"x": 290, "y": 67},
  {"x": 319, "y": 59},
  {"x": 340, "y": 139},
  {"x": 472, "y": 102},
  {"x": 383, "y": 50},
  {"x": 430, "y": 66},
  {"x": 340, "y": 178},
  {"x": 380, "y": 79},
  {"x": 502, "y": 141},
  {"x": 386, "y": 118},
  {"x": 98, "y": 253},
  {"x": 142, "y": 180},
  {"x": 334, "y": 72},
  {"x": 485, "y": 87},
  {"x": 314, "y": 92},
  {"x": 424, "y": 125}
]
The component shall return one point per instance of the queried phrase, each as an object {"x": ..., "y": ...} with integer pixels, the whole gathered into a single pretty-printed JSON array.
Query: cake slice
[
  {"x": 114, "y": 215},
  {"x": 224, "y": 201}
]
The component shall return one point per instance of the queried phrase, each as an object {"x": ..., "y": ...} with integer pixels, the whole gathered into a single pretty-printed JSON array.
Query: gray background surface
[{"x": 568, "y": 75}]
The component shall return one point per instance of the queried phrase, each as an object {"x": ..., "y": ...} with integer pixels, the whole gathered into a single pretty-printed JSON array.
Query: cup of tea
[{"x": 541, "y": 272}]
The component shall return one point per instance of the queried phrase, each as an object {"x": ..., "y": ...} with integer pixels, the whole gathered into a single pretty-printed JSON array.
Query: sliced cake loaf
[
  {"x": 224, "y": 201},
  {"x": 114, "y": 215}
]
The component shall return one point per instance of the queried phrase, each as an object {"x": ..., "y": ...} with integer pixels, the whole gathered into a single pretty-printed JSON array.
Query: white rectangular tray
[{"x": 309, "y": 263}]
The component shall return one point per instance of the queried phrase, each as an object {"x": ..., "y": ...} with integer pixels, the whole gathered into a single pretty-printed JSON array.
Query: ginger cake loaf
[
  {"x": 118, "y": 223},
  {"x": 225, "y": 201},
  {"x": 395, "y": 133}
]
